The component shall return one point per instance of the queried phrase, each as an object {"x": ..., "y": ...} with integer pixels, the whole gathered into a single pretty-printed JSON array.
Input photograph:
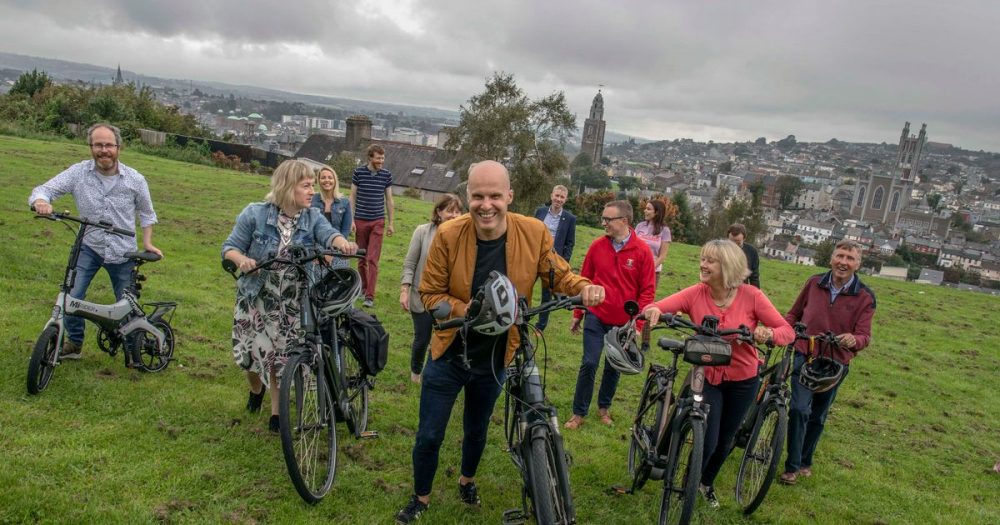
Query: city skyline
[{"x": 852, "y": 71}]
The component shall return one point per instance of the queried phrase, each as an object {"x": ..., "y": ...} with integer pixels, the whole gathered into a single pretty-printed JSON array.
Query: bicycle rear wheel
[
  {"x": 41, "y": 364},
  {"x": 761, "y": 457},
  {"x": 356, "y": 383},
  {"x": 548, "y": 497},
  {"x": 680, "y": 486},
  {"x": 308, "y": 434},
  {"x": 644, "y": 431}
]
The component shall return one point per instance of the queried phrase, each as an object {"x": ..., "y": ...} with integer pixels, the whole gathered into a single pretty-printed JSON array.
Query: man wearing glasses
[
  {"x": 104, "y": 190},
  {"x": 624, "y": 266}
]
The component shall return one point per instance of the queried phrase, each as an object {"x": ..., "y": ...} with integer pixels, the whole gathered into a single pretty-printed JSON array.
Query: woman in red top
[{"x": 730, "y": 389}]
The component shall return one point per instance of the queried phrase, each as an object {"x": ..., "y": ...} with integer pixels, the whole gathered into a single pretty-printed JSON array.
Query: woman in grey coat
[{"x": 447, "y": 207}]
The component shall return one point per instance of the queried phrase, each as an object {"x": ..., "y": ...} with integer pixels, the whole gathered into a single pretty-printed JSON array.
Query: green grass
[{"x": 910, "y": 440}]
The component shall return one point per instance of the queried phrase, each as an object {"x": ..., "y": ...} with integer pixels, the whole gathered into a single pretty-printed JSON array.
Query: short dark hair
[
  {"x": 624, "y": 208},
  {"x": 375, "y": 148},
  {"x": 443, "y": 203},
  {"x": 737, "y": 229}
]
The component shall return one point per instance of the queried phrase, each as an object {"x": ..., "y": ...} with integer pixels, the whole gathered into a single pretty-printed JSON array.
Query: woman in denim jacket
[
  {"x": 266, "y": 315},
  {"x": 332, "y": 204}
]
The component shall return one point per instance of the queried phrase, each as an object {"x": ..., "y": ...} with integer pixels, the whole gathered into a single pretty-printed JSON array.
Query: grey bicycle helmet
[
  {"x": 499, "y": 306},
  {"x": 821, "y": 374},
  {"x": 621, "y": 351},
  {"x": 337, "y": 291}
]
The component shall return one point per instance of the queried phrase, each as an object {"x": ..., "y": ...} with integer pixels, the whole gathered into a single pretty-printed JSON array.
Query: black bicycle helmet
[
  {"x": 498, "y": 310},
  {"x": 622, "y": 353},
  {"x": 821, "y": 374},
  {"x": 337, "y": 291}
]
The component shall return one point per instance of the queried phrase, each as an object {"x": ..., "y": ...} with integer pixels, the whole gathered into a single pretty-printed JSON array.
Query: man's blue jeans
[
  {"x": 593, "y": 348},
  {"x": 86, "y": 267},
  {"x": 806, "y": 418},
  {"x": 441, "y": 383}
]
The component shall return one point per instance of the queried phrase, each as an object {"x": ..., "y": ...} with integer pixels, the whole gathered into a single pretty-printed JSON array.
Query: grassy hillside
[{"x": 911, "y": 438}]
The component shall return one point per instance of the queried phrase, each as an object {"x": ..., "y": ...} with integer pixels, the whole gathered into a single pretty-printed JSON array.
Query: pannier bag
[
  {"x": 368, "y": 340},
  {"x": 707, "y": 351}
]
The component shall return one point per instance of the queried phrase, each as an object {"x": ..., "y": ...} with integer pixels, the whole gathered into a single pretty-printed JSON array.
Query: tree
[
  {"x": 788, "y": 187},
  {"x": 726, "y": 167},
  {"x": 30, "y": 82},
  {"x": 761, "y": 141},
  {"x": 504, "y": 125},
  {"x": 585, "y": 174},
  {"x": 626, "y": 183},
  {"x": 824, "y": 251},
  {"x": 786, "y": 144},
  {"x": 343, "y": 165},
  {"x": 685, "y": 228},
  {"x": 934, "y": 200}
]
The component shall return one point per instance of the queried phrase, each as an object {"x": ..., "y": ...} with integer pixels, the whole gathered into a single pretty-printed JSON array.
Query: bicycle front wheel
[
  {"x": 308, "y": 434},
  {"x": 42, "y": 360},
  {"x": 761, "y": 457},
  {"x": 356, "y": 383},
  {"x": 548, "y": 497},
  {"x": 680, "y": 486}
]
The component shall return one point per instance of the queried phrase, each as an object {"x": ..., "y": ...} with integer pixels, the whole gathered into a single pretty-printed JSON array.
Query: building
[
  {"x": 879, "y": 198},
  {"x": 593, "y": 130}
]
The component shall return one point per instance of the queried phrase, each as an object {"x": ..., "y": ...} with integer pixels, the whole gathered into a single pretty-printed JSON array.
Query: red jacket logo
[{"x": 629, "y": 263}]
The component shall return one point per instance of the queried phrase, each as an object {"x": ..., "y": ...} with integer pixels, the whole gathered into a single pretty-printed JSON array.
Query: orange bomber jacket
[{"x": 450, "y": 266}]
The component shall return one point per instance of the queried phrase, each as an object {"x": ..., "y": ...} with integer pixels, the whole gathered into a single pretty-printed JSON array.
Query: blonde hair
[
  {"x": 287, "y": 175},
  {"x": 336, "y": 183},
  {"x": 732, "y": 261}
]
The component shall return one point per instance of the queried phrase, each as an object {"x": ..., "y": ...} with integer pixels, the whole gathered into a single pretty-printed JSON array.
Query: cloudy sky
[{"x": 854, "y": 70}]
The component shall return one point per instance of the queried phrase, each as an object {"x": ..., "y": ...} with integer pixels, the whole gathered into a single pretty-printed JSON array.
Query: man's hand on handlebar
[
  {"x": 592, "y": 295},
  {"x": 42, "y": 207}
]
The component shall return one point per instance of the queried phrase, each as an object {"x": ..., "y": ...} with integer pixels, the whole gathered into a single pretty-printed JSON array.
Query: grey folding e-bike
[{"x": 148, "y": 339}]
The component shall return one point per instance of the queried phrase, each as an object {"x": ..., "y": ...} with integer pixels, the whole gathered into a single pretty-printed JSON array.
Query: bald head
[{"x": 489, "y": 195}]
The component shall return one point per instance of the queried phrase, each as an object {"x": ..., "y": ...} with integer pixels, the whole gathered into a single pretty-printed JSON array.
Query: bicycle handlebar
[
  {"x": 102, "y": 225},
  {"x": 555, "y": 304},
  {"x": 675, "y": 321},
  {"x": 298, "y": 256}
]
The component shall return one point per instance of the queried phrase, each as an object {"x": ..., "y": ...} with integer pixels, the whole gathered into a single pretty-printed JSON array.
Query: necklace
[{"x": 726, "y": 300}]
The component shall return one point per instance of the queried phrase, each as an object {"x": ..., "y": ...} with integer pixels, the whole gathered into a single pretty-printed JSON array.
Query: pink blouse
[{"x": 749, "y": 307}]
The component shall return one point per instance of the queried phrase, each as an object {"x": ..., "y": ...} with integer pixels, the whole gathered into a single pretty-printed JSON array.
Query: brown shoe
[
  {"x": 805, "y": 472},
  {"x": 605, "y": 415},
  {"x": 574, "y": 422},
  {"x": 788, "y": 478},
  {"x": 70, "y": 350}
]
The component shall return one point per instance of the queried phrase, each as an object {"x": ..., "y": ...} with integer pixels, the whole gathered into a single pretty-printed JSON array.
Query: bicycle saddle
[{"x": 143, "y": 256}]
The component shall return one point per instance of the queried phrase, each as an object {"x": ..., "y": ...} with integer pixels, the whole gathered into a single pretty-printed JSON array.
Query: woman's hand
[
  {"x": 404, "y": 297},
  {"x": 246, "y": 264},
  {"x": 762, "y": 334},
  {"x": 345, "y": 246},
  {"x": 652, "y": 314}
]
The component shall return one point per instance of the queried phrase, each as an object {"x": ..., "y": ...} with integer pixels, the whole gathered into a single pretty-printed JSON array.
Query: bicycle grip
[
  {"x": 452, "y": 323},
  {"x": 120, "y": 231}
]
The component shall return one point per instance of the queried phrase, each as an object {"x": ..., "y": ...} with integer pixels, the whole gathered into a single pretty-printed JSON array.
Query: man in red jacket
[
  {"x": 834, "y": 301},
  {"x": 624, "y": 266}
]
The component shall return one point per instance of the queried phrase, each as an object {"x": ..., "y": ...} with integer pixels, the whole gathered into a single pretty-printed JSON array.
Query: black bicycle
[
  {"x": 668, "y": 432},
  {"x": 531, "y": 425},
  {"x": 148, "y": 339},
  {"x": 762, "y": 433},
  {"x": 323, "y": 380}
]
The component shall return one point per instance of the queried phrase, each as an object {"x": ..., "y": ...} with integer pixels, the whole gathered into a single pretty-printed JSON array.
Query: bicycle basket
[
  {"x": 337, "y": 291},
  {"x": 707, "y": 351}
]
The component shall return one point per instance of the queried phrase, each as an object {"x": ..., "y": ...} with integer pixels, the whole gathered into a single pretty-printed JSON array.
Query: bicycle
[
  {"x": 323, "y": 380},
  {"x": 668, "y": 432},
  {"x": 531, "y": 424},
  {"x": 148, "y": 339},
  {"x": 762, "y": 432}
]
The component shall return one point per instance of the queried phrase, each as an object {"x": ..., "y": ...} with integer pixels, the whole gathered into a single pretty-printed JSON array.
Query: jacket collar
[{"x": 826, "y": 282}]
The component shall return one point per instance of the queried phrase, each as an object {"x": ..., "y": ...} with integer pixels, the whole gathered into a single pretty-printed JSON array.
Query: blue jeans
[
  {"x": 728, "y": 403},
  {"x": 86, "y": 267},
  {"x": 806, "y": 418},
  {"x": 593, "y": 347},
  {"x": 439, "y": 389}
]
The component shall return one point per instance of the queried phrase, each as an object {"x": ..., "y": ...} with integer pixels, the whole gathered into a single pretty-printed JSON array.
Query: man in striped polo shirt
[{"x": 371, "y": 200}]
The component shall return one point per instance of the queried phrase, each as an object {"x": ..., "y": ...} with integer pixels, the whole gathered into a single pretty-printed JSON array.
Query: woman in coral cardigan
[{"x": 729, "y": 389}]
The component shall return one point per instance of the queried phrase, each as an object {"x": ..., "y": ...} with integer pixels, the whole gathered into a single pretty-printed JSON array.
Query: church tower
[
  {"x": 593, "y": 130},
  {"x": 118, "y": 77},
  {"x": 878, "y": 199}
]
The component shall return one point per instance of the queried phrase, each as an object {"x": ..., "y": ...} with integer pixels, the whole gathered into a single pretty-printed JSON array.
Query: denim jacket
[
  {"x": 256, "y": 236},
  {"x": 340, "y": 212}
]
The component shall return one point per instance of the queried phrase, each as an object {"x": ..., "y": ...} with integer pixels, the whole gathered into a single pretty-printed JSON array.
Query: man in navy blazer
[{"x": 562, "y": 225}]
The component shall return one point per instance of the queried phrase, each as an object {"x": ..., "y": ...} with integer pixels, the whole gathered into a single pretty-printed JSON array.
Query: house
[
  {"x": 928, "y": 276},
  {"x": 896, "y": 273}
]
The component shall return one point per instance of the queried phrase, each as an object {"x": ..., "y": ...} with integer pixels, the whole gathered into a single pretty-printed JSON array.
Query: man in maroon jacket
[
  {"x": 624, "y": 266},
  {"x": 835, "y": 301}
]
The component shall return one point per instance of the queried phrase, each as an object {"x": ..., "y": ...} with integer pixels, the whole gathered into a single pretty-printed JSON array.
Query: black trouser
[
  {"x": 728, "y": 402},
  {"x": 422, "y": 323}
]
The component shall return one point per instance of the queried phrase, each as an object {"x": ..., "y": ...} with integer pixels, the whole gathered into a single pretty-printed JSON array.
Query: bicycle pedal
[
  {"x": 368, "y": 434},
  {"x": 514, "y": 517}
]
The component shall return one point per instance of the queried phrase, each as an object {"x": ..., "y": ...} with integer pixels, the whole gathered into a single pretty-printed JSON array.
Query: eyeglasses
[
  {"x": 605, "y": 220},
  {"x": 103, "y": 146}
]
